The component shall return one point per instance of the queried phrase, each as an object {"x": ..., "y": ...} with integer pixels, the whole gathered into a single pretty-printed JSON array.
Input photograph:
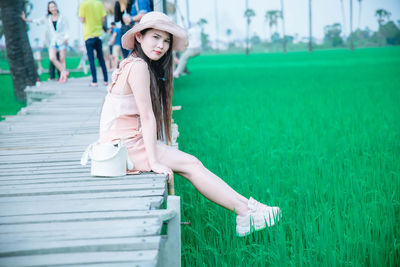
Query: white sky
[{"x": 230, "y": 15}]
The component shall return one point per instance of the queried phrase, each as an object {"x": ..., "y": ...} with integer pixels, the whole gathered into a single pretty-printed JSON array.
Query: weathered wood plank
[
  {"x": 136, "y": 179},
  {"x": 93, "y": 226},
  {"x": 15, "y": 190},
  {"x": 162, "y": 214},
  {"x": 154, "y": 196},
  {"x": 36, "y": 177},
  {"x": 74, "y": 205},
  {"x": 114, "y": 258},
  {"x": 84, "y": 245}
]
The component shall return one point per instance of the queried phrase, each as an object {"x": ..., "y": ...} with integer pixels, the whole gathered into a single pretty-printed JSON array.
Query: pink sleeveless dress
[{"x": 120, "y": 120}]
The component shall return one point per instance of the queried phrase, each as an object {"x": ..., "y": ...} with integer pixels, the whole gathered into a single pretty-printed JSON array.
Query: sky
[{"x": 230, "y": 16}]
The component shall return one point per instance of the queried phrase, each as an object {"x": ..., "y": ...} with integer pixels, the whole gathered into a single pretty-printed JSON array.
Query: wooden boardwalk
[{"x": 52, "y": 212}]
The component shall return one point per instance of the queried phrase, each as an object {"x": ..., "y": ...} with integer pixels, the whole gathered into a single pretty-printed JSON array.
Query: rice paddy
[{"x": 316, "y": 134}]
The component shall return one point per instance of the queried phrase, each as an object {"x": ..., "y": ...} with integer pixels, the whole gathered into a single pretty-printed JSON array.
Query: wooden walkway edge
[{"x": 52, "y": 212}]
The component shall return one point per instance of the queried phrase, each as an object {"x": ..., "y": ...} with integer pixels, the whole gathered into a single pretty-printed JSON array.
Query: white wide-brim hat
[{"x": 159, "y": 21}]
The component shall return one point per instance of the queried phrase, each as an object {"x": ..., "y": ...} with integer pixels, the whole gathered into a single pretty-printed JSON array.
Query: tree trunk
[
  {"x": 283, "y": 28},
  {"x": 216, "y": 25},
  {"x": 19, "y": 52},
  {"x": 247, "y": 28},
  {"x": 247, "y": 36},
  {"x": 310, "y": 48},
  {"x": 343, "y": 18},
  {"x": 359, "y": 14},
  {"x": 351, "y": 26}
]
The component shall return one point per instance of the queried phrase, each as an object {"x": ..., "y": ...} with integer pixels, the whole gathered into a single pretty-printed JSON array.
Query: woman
[
  {"x": 56, "y": 37},
  {"x": 137, "y": 110}
]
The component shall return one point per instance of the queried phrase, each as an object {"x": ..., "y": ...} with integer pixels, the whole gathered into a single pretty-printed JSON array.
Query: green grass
[
  {"x": 317, "y": 134},
  {"x": 9, "y": 105}
]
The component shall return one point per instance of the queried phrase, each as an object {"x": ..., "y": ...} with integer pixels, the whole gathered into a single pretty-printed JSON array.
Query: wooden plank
[
  {"x": 162, "y": 214},
  {"x": 15, "y": 190},
  {"x": 93, "y": 226},
  {"x": 154, "y": 197},
  {"x": 74, "y": 205},
  {"x": 114, "y": 258},
  {"x": 136, "y": 179},
  {"x": 12, "y": 248},
  {"x": 145, "y": 175}
]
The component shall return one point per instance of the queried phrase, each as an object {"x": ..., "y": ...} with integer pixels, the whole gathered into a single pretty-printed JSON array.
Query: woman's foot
[
  {"x": 258, "y": 217},
  {"x": 63, "y": 77},
  {"x": 92, "y": 84},
  {"x": 105, "y": 83}
]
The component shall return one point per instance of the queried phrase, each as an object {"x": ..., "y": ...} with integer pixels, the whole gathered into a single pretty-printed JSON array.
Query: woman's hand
[
  {"x": 162, "y": 169},
  {"x": 23, "y": 17}
]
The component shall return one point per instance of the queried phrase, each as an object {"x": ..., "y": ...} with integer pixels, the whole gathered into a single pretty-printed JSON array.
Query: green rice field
[{"x": 316, "y": 134}]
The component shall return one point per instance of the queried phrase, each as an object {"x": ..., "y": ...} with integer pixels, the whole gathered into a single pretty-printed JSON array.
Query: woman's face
[
  {"x": 52, "y": 8},
  {"x": 155, "y": 43}
]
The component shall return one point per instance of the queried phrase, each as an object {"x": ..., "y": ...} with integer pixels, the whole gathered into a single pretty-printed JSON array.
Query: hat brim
[{"x": 180, "y": 39}]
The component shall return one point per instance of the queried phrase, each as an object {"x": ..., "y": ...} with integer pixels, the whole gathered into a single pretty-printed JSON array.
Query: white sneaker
[{"x": 258, "y": 217}]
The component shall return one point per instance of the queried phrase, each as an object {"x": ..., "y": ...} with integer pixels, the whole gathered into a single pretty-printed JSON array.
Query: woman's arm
[
  {"x": 65, "y": 29},
  {"x": 112, "y": 39},
  {"x": 139, "y": 81},
  {"x": 24, "y": 18},
  {"x": 36, "y": 21}
]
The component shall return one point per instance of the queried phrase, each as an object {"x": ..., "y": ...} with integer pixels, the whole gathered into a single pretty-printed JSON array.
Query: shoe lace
[{"x": 255, "y": 205}]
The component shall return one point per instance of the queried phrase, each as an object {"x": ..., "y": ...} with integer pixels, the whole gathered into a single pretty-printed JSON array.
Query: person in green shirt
[{"x": 92, "y": 15}]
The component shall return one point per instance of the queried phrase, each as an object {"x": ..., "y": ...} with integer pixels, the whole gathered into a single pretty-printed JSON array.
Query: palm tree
[
  {"x": 271, "y": 16},
  {"x": 351, "y": 26},
  {"x": 310, "y": 47},
  {"x": 248, "y": 13},
  {"x": 229, "y": 33},
  {"x": 382, "y": 14},
  {"x": 202, "y": 22},
  {"x": 216, "y": 24},
  {"x": 283, "y": 28},
  {"x": 359, "y": 14},
  {"x": 343, "y": 18},
  {"x": 19, "y": 52}
]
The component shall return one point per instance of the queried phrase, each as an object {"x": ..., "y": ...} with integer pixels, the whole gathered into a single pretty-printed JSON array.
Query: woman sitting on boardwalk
[
  {"x": 137, "y": 109},
  {"x": 56, "y": 37}
]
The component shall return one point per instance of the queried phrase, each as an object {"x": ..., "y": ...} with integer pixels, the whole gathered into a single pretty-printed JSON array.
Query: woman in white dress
[{"x": 56, "y": 36}]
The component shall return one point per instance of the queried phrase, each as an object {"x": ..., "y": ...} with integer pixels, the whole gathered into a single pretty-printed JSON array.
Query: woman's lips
[{"x": 157, "y": 52}]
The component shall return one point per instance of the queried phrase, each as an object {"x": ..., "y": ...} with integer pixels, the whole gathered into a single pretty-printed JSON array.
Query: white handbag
[{"x": 108, "y": 159}]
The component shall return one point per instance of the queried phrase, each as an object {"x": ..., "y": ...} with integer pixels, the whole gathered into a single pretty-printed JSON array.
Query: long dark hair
[
  {"x": 160, "y": 87},
  {"x": 48, "y": 9}
]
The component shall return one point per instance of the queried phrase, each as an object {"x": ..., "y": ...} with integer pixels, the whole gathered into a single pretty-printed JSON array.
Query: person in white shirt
[
  {"x": 192, "y": 50},
  {"x": 56, "y": 36}
]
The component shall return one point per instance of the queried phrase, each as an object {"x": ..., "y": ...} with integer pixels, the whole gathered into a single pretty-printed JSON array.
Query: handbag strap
[
  {"x": 88, "y": 153},
  {"x": 89, "y": 150}
]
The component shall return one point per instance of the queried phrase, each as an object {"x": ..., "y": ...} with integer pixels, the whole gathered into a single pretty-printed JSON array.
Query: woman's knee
[
  {"x": 52, "y": 58},
  {"x": 62, "y": 57},
  {"x": 193, "y": 164}
]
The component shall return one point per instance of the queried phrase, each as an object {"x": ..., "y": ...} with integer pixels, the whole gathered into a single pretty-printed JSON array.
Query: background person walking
[{"x": 92, "y": 15}]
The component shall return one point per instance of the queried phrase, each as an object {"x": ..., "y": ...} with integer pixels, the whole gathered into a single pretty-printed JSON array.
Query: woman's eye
[
  {"x": 155, "y": 36},
  {"x": 167, "y": 41}
]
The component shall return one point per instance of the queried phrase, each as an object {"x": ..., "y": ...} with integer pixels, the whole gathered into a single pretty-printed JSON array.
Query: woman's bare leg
[
  {"x": 62, "y": 58},
  {"x": 57, "y": 63},
  {"x": 207, "y": 183}
]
